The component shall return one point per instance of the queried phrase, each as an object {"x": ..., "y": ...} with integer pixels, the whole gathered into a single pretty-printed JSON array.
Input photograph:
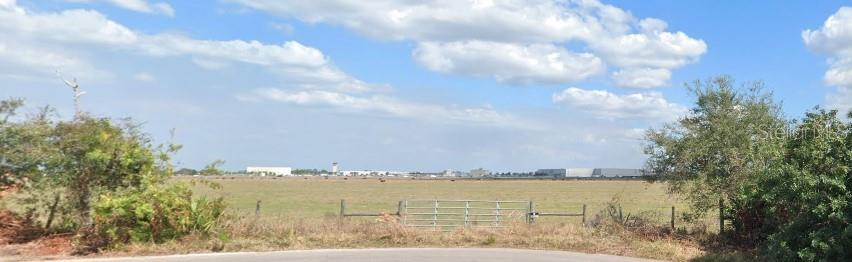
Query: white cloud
[
  {"x": 209, "y": 64},
  {"x": 636, "y": 45},
  {"x": 141, "y": 6},
  {"x": 604, "y": 104},
  {"x": 383, "y": 105},
  {"x": 834, "y": 39},
  {"x": 311, "y": 78},
  {"x": 31, "y": 59},
  {"x": 70, "y": 26},
  {"x": 28, "y": 33},
  {"x": 144, "y": 77},
  {"x": 509, "y": 63},
  {"x": 642, "y": 77},
  {"x": 287, "y": 29},
  {"x": 841, "y": 100}
]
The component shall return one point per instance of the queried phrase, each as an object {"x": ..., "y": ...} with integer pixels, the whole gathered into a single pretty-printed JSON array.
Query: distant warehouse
[
  {"x": 580, "y": 172},
  {"x": 565, "y": 172},
  {"x": 269, "y": 171},
  {"x": 617, "y": 172},
  {"x": 552, "y": 172}
]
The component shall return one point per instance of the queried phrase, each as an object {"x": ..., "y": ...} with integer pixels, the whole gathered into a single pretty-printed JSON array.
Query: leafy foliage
[
  {"x": 809, "y": 193},
  {"x": 94, "y": 155},
  {"x": 154, "y": 212},
  {"x": 94, "y": 160},
  {"x": 788, "y": 190},
  {"x": 213, "y": 169},
  {"x": 720, "y": 147}
]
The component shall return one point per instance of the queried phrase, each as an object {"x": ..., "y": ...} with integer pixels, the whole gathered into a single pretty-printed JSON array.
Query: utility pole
[{"x": 75, "y": 87}]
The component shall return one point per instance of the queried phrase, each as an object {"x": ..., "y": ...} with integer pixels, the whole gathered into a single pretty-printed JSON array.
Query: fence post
[
  {"x": 404, "y": 210},
  {"x": 673, "y": 218},
  {"x": 342, "y": 208},
  {"x": 399, "y": 208},
  {"x": 584, "y": 214},
  {"x": 257, "y": 209},
  {"x": 435, "y": 216},
  {"x": 532, "y": 212}
]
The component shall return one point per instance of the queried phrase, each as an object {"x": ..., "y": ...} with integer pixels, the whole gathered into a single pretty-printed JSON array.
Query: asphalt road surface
[{"x": 387, "y": 255}]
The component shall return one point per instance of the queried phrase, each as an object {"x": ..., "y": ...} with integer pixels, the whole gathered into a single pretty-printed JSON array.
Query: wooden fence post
[
  {"x": 532, "y": 212},
  {"x": 399, "y": 208},
  {"x": 584, "y": 214},
  {"x": 342, "y": 208},
  {"x": 673, "y": 218},
  {"x": 257, "y": 209}
]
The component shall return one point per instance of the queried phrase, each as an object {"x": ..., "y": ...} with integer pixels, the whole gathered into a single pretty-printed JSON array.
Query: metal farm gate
[{"x": 451, "y": 214}]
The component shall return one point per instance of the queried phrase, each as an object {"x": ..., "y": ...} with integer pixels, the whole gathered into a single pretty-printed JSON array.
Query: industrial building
[
  {"x": 269, "y": 171},
  {"x": 589, "y": 173},
  {"x": 555, "y": 172},
  {"x": 617, "y": 173},
  {"x": 580, "y": 172},
  {"x": 479, "y": 172},
  {"x": 565, "y": 172}
]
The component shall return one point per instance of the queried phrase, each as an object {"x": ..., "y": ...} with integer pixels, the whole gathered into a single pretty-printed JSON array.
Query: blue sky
[{"x": 506, "y": 85}]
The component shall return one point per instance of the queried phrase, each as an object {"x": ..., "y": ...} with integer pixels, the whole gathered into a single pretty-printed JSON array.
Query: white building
[
  {"x": 479, "y": 172},
  {"x": 271, "y": 171},
  {"x": 335, "y": 169},
  {"x": 580, "y": 172},
  {"x": 618, "y": 172}
]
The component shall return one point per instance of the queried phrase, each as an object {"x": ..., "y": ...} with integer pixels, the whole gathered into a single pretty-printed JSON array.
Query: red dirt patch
[{"x": 18, "y": 237}]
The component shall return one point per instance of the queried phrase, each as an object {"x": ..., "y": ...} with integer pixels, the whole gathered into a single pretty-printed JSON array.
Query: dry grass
[
  {"x": 301, "y": 214},
  {"x": 268, "y": 234}
]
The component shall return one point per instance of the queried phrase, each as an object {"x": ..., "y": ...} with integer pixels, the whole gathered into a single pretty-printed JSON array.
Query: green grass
[{"x": 316, "y": 197}]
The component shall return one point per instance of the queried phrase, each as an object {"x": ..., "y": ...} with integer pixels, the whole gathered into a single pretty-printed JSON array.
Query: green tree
[
  {"x": 716, "y": 151},
  {"x": 24, "y": 145},
  {"x": 98, "y": 165},
  {"x": 96, "y": 156},
  {"x": 213, "y": 169},
  {"x": 809, "y": 194}
]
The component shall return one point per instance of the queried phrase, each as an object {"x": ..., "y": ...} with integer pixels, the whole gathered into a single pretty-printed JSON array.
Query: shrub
[
  {"x": 809, "y": 194},
  {"x": 155, "y": 213}
]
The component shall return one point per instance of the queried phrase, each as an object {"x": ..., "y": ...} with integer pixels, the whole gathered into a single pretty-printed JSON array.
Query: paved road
[{"x": 388, "y": 255}]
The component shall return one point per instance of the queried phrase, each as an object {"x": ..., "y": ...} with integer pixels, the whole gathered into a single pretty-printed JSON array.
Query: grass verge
[{"x": 269, "y": 234}]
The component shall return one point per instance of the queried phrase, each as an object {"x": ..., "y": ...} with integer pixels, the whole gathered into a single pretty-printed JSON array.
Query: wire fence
[{"x": 439, "y": 214}]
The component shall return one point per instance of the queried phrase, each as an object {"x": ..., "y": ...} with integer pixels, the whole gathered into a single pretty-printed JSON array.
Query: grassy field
[
  {"x": 316, "y": 197},
  {"x": 300, "y": 213}
]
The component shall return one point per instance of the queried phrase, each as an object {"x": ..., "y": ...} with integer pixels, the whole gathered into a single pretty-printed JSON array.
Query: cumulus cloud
[
  {"x": 510, "y": 63},
  {"x": 642, "y": 77},
  {"x": 311, "y": 78},
  {"x": 383, "y": 105},
  {"x": 454, "y": 32},
  {"x": 29, "y": 34},
  {"x": 141, "y": 6},
  {"x": 605, "y": 104},
  {"x": 834, "y": 39}
]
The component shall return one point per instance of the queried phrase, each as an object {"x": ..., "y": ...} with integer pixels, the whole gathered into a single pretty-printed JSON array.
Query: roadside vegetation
[
  {"x": 99, "y": 181},
  {"x": 783, "y": 185},
  {"x": 780, "y": 185}
]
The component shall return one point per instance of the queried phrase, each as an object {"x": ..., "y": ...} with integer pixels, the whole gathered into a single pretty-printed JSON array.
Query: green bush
[
  {"x": 810, "y": 194},
  {"x": 154, "y": 213}
]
